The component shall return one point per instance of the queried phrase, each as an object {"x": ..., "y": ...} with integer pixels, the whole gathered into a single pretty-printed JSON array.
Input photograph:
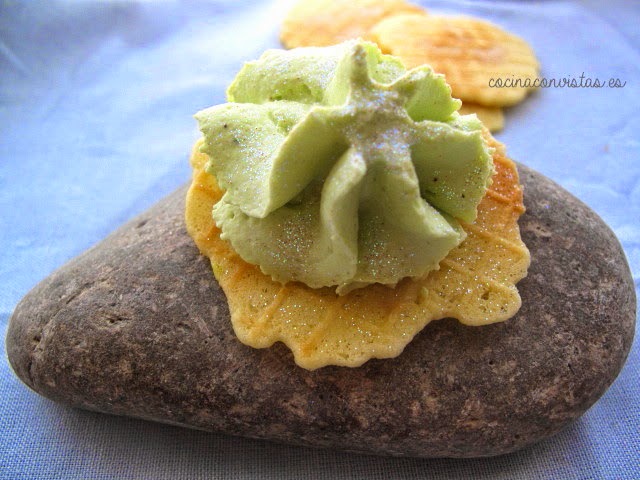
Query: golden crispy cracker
[
  {"x": 475, "y": 284},
  {"x": 468, "y": 51},
  {"x": 327, "y": 22},
  {"x": 491, "y": 117}
]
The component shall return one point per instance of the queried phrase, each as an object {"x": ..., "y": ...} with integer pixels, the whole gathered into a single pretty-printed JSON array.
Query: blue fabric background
[{"x": 96, "y": 100}]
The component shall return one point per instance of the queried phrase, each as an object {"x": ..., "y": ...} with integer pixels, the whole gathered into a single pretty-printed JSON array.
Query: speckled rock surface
[{"x": 138, "y": 326}]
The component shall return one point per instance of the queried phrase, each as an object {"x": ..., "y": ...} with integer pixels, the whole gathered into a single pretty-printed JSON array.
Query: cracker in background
[
  {"x": 475, "y": 283},
  {"x": 468, "y": 51},
  {"x": 326, "y": 22}
]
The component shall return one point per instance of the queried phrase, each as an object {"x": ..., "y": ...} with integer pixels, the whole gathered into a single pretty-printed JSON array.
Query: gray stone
[{"x": 138, "y": 326}]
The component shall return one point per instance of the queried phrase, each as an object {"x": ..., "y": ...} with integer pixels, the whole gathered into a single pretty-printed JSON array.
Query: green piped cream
[{"x": 341, "y": 168}]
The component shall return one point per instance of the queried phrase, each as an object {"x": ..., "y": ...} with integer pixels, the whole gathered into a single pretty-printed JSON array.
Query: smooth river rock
[{"x": 138, "y": 326}]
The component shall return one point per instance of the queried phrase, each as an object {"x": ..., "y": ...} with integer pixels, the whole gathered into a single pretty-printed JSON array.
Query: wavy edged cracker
[
  {"x": 320, "y": 23},
  {"x": 475, "y": 284},
  {"x": 491, "y": 117},
  {"x": 468, "y": 51}
]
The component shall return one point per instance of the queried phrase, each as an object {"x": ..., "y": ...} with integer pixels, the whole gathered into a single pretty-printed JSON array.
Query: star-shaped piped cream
[{"x": 340, "y": 168}]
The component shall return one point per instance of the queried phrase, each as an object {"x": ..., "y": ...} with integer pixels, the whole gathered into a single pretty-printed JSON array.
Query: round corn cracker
[
  {"x": 475, "y": 283},
  {"x": 468, "y": 51},
  {"x": 327, "y": 22}
]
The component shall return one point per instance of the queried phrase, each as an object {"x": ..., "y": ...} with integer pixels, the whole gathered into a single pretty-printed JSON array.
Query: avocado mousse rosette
[{"x": 345, "y": 203}]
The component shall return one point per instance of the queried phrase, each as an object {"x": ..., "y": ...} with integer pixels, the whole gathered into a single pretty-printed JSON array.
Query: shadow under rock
[{"x": 120, "y": 447}]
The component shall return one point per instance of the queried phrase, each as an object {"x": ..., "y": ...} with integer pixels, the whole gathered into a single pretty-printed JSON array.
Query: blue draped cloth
[{"x": 96, "y": 105}]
